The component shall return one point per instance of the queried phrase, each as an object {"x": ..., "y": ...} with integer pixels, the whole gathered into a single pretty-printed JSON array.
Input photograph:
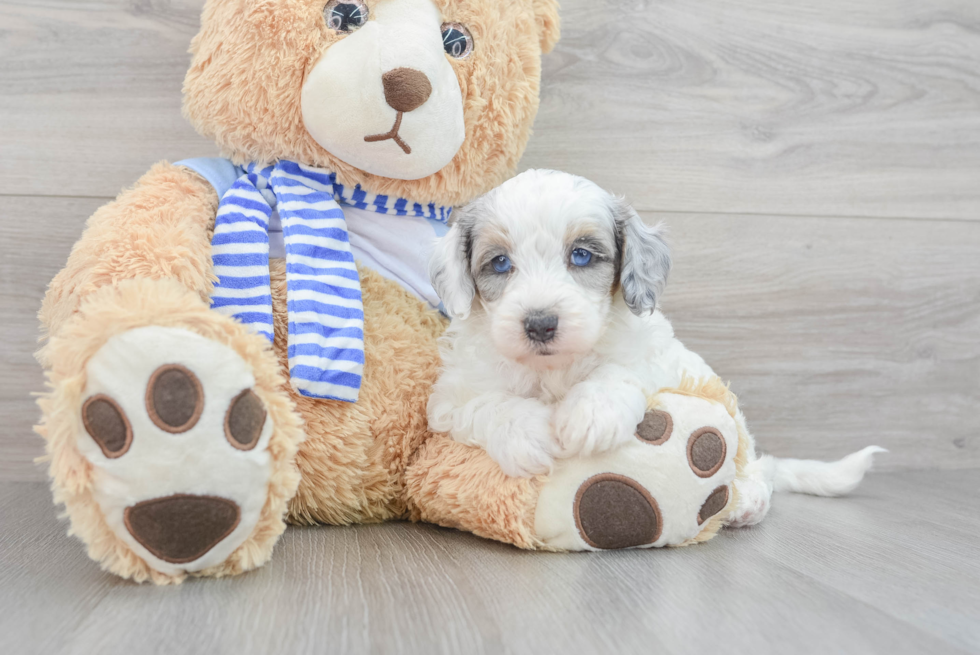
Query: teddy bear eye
[
  {"x": 345, "y": 15},
  {"x": 456, "y": 40}
]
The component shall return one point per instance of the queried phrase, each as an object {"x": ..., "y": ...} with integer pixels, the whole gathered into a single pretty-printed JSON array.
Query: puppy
[{"x": 556, "y": 340}]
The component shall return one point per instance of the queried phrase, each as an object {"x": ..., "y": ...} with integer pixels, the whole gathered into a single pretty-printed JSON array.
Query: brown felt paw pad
[
  {"x": 244, "y": 420},
  {"x": 174, "y": 398},
  {"x": 655, "y": 428},
  {"x": 106, "y": 423},
  {"x": 706, "y": 452},
  {"x": 181, "y": 528},
  {"x": 613, "y": 511},
  {"x": 715, "y": 503}
]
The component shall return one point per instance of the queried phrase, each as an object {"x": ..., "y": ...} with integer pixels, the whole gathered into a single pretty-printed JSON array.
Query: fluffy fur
[
  {"x": 144, "y": 259},
  {"x": 112, "y": 310},
  {"x": 160, "y": 228},
  {"x": 353, "y": 463},
  {"x": 459, "y": 486},
  {"x": 251, "y": 57},
  {"x": 584, "y": 390}
]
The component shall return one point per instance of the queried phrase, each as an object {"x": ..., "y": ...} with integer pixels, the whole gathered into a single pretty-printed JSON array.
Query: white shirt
[{"x": 397, "y": 247}]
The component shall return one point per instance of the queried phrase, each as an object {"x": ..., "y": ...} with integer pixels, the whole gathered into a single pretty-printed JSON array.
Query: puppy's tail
[{"x": 810, "y": 476}]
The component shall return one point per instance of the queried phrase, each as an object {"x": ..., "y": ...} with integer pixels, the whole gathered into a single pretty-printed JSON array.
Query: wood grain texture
[
  {"x": 92, "y": 93},
  {"x": 888, "y": 570},
  {"x": 756, "y": 107},
  {"x": 797, "y": 108},
  {"x": 835, "y": 333},
  {"x": 36, "y": 237},
  {"x": 838, "y": 333}
]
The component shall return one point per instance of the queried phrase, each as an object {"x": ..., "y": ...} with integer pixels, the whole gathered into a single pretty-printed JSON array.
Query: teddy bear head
[{"x": 431, "y": 100}]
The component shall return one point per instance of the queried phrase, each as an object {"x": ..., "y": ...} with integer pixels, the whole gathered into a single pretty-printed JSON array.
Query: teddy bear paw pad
[
  {"x": 613, "y": 511},
  {"x": 181, "y": 528},
  {"x": 658, "y": 489},
  {"x": 178, "y": 440}
]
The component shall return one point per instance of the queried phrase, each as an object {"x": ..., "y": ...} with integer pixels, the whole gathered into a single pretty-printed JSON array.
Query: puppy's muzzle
[{"x": 541, "y": 327}]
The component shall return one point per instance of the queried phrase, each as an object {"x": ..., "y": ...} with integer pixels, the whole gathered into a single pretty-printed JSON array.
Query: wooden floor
[
  {"x": 818, "y": 164},
  {"x": 891, "y": 570}
]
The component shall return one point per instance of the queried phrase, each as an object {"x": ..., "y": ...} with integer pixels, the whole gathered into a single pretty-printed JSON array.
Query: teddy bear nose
[{"x": 406, "y": 88}]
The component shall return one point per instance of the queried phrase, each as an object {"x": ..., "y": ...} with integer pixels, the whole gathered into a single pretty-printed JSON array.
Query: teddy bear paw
[
  {"x": 659, "y": 489},
  {"x": 178, "y": 441}
]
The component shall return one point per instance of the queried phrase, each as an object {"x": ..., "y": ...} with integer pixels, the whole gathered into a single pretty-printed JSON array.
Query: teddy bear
[{"x": 242, "y": 342}]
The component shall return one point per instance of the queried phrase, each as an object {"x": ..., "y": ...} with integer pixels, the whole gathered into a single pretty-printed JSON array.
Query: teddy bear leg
[
  {"x": 459, "y": 486},
  {"x": 671, "y": 486},
  {"x": 170, "y": 439}
]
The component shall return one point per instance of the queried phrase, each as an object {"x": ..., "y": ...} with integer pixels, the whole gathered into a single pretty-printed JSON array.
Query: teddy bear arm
[
  {"x": 159, "y": 228},
  {"x": 169, "y": 439}
]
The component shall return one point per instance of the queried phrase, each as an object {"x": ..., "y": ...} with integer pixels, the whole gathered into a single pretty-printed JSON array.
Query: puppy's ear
[
  {"x": 449, "y": 270},
  {"x": 645, "y": 259}
]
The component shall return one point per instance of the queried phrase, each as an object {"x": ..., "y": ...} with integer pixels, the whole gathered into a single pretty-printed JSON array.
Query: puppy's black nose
[{"x": 541, "y": 327}]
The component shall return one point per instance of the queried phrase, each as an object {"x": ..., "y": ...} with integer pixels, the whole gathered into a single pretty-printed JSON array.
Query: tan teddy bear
[{"x": 218, "y": 363}]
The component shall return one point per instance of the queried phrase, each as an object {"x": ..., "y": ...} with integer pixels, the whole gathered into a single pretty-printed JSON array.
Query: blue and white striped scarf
[{"x": 323, "y": 291}]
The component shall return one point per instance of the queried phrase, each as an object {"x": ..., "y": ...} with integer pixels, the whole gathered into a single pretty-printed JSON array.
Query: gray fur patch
[
  {"x": 645, "y": 260},
  {"x": 600, "y": 273},
  {"x": 489, "y": 283}
]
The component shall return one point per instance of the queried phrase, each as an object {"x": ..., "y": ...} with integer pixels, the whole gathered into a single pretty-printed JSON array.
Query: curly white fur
[{"x": 584, "y": 389}]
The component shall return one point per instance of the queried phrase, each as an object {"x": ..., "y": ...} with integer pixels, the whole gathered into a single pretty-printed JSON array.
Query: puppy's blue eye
[
  {"x": 501, "y": 263},
  {"x": 581, "y": 257}
]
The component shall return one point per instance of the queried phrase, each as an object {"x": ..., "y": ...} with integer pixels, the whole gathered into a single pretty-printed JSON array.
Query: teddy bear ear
[{"x": 549, "y": 24}]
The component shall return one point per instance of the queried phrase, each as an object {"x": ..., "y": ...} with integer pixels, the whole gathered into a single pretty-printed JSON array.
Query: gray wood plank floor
[
  {"x": 837, "y": 107},
  {"x": 892, "y": 569},
  {"x": 815, "y": 108}
]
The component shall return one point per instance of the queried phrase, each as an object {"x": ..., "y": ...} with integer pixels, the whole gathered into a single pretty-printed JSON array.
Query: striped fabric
[{"x": 323, "y": 291}]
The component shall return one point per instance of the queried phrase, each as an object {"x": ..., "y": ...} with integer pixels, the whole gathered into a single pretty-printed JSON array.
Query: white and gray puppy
[{"x": 556, "y": 340}]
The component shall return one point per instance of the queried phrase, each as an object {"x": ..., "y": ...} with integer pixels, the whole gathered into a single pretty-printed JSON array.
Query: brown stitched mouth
[{"x": 391, "y": 134}]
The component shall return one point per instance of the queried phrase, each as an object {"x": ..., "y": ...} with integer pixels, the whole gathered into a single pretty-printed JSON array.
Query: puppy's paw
[
  {"x": 526, "y": 449},
  {"x": 523, "y": 460},
  {"x": 592, "y": 418}
]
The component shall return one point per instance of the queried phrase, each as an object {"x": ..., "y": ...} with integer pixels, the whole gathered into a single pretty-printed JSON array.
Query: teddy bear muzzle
[
  {"x": 406, "y": 89},
  {"x": 385, "y": 97}
]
